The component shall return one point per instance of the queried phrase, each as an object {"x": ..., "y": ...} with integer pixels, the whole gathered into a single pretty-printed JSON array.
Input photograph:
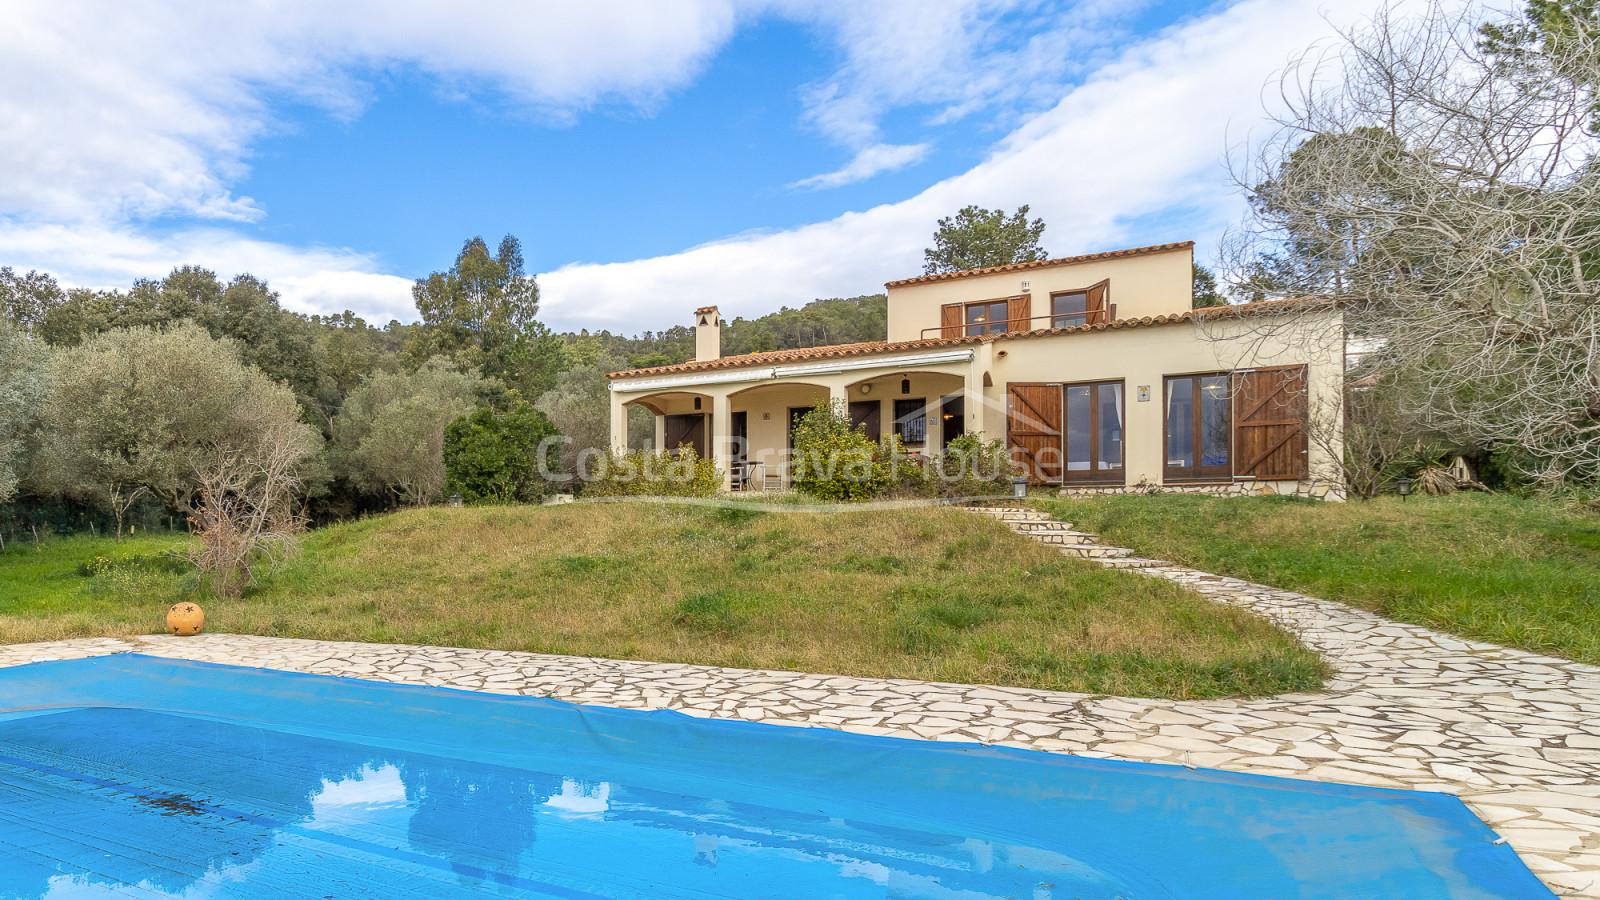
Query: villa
[{"x": 1095, "y": 370}]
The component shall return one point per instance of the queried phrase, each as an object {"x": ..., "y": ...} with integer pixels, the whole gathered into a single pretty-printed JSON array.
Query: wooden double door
[
  {"x": 1064, "y": 433},
  {"x": 1061, "y": 433}
]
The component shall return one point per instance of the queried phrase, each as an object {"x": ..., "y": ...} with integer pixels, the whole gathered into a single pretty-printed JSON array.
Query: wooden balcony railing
[{"x": 1092, "y": 317}]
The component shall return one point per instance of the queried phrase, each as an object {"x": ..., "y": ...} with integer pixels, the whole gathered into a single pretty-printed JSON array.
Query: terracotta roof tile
[
  {"x": 777, "y": 357},
  {"x": 1042, "y": 264},
  {"x": 705, "y": 309},
  {"x": 838, "y": 351}
]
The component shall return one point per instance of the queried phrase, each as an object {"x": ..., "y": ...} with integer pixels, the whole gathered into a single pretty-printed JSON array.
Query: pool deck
[{"x": 1514, "y": 734}]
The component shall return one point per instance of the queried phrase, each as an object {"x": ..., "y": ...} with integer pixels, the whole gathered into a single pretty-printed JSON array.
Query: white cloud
[
  {"x": 115, "y": 111},
  {"x": 1143, "y": 135},
  {"x": 953, "y": 58},
  {"x": 118, "y": 113},
  {"x": 874, "y": 160}
]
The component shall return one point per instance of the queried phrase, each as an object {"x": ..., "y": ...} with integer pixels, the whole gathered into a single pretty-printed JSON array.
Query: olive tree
[
  {"x": 23, "y": 384},
  {"x": 109, "y": 430},
  {"x": 580, "y": 406},
  {"x": 246, "y": 475},
  {"x": 390, "y": 433},
  {"x": 174, "y": 412},
  {"x": 1441, "y": 182}
]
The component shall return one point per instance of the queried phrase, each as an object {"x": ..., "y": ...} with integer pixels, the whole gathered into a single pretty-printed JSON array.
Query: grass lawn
[
  {"x": 923, "y": 593},
  {"x": 1525, "y": 573}
]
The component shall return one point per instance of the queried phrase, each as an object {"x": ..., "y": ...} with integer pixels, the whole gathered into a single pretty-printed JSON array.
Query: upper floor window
[
  {"x": 988, "y": 317},
  {"x": 1067, "y": 310},
  {"x": 1082, "y": 306}
]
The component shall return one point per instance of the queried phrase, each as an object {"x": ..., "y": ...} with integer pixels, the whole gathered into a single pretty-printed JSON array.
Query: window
[
  {"x": 1093, "y": 432},
  {"x": 986, "y": 318},
  {"x": 1067, "y": 310},
  {"x": 911, "y": 421},
  {"x": 1199, "y": 421}
]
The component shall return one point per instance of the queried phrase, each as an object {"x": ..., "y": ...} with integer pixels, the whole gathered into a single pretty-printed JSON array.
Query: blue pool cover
[{"x": 131, "y": 776}]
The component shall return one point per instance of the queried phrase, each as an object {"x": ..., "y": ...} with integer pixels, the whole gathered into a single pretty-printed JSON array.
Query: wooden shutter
[
  {"x": 1033, "y": 429},
  {"x": 1096, "y": 303},
  {"x": 865, "y": 415},
  {"x": 686, "y": 431},
  {"x": 950, "y": 320},
  {"x": 1269, "y": 423},
  {"x": 1017, "y": 313}
]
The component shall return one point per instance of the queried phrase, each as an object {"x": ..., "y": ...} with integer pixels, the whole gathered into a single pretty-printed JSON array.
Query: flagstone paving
[{"x": 1515, "y": 735}]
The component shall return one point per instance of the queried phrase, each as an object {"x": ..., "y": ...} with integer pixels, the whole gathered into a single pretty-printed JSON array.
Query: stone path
[{"x": 1515, "y": 735}]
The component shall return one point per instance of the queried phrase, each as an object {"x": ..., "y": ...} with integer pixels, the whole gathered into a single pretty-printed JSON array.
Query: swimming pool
[{"x": 133, "y": 776}]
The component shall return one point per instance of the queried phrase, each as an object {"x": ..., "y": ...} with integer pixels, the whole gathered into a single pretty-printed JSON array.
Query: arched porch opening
[
  {"x": 763, "y": 431},
  {"x": 682, "y": 419},
  {"x": 924, "y": 409}
]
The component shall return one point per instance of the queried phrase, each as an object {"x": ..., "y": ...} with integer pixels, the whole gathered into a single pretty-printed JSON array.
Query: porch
[{"x": 745, "y": 420}]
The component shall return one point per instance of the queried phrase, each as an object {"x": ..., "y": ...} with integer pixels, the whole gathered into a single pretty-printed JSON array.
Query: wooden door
[
  {"x": 687, "y": 431},
  {"x": 867, "y": 416},
  {"x": 1033, "y": 430},
  {"x": 1269, "y": 423}
]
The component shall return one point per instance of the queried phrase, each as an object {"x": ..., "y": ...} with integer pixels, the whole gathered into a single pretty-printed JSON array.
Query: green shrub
[
  {"x": 972, "y": 467},
  {"x": 648, "y": 473},
  {"x": 500, "y": 458},
  {"x": 835, "y": 461}
]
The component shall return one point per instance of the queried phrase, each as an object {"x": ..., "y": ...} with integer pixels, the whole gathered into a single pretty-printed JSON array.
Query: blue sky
[{"x": 650, "y": 157}]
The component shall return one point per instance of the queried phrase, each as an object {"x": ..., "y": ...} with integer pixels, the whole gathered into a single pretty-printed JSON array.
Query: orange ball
[{"x": 185, "y": 618}]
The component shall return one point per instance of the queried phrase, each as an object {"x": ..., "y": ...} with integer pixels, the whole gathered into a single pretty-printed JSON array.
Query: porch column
[
  {"x": 972, "y": 394},
  {"x": 619, "y": 423},
  {"x": 661, "y": 433},
  {"x": 722, "y": 438}
]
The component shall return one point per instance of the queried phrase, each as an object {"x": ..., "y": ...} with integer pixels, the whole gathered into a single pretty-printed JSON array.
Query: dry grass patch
[{"x": 927, "y": 593}]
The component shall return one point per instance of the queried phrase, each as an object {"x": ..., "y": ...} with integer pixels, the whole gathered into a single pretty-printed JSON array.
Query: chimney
[{"x": 707, "y": 334}]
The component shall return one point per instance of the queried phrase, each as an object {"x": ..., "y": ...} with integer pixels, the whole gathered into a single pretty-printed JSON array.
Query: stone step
[
  {"x": 1063, "y": 537},
  {"x": 1013, "y": 515},
  {"x": 1095, "y": 551},
  {"x": 1132, "y": 562},
  {"x": 1039, "y": 527}
]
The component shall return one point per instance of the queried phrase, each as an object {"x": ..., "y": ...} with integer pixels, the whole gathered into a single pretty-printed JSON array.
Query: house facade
[{"x": 1093, "y": 369}]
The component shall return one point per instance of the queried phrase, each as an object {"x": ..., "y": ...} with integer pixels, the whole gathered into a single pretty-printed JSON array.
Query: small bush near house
[
  {"x": 647, "y": 473},
  {"x": 491, "y": 458},
  {"x": 836, "y": 461},
  {"x": 970, "y": 467}
]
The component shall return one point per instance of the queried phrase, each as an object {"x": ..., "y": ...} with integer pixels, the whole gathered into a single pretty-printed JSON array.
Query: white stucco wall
[{"x": 1151, "y": 284}]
